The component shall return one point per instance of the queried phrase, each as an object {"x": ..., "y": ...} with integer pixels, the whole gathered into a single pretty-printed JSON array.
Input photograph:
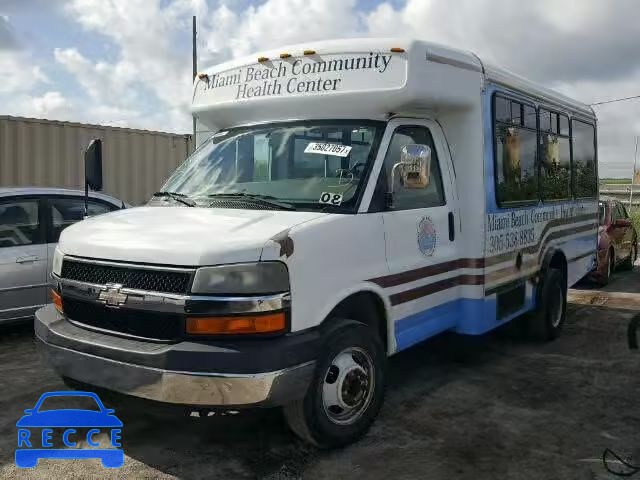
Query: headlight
[
  {"x": 242, "y": 279},
  {"x": 56, "y": 268}
]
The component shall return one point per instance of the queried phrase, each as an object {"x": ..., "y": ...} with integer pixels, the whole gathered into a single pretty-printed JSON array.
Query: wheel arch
[
  {"x": 555, "y": 258},
  {"x": 367, "y": 304}
]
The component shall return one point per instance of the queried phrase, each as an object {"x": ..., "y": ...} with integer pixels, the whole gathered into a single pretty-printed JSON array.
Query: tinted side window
[
  {"x": 555, "y": 157},
  {"x": 624, "y": 211},
  {"x": 618, "y": 211},
  {"x": 585, "y": 180},
  {"x": 67, "y": 211},
  {"x": 516, "y": 137},
  {"x": 409, "y": 198},
  {"x": 19, "y": 223}
]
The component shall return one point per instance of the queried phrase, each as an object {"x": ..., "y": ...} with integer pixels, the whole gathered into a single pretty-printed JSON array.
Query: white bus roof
[{"x": 353, "y": 78}]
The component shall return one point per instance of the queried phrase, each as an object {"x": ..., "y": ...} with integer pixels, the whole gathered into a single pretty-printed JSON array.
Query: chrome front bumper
[
  {"x": 188, "y": 373},
  {"x": 210, "y": 389}
]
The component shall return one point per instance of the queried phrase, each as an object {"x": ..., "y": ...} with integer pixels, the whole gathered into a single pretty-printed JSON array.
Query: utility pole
[
  {"x": 633, "y": 176},
  {"x": 195, "y": 72}
]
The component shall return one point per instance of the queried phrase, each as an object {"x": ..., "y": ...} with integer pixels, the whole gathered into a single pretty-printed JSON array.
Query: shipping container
[{"x": 35, "y": 152}]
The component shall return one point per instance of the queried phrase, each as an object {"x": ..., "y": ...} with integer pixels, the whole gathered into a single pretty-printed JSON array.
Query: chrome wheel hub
[{"x": 348, "y": 386}]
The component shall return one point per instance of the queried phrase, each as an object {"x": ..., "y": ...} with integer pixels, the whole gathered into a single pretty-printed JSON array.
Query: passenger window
[
  {"x": 529, "y": 117},
  {"x": 624, "y": 211},
  {"x": 619, "y": 212},
  {"x": 410, "y": 198},
  {"x": 555, "y": 159},
  {"x": 585, "y": 179},
  {"x": 67, "y": 211},
  {"x": 515, "y": 176},
  {"x": 19, "y": 224}
]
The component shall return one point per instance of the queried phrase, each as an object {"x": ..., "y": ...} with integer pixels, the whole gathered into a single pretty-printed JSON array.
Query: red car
[{"x": 617, "y": 241}]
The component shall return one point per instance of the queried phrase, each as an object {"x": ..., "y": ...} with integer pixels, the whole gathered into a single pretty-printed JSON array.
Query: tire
[
  {"x": 630, "y": 260},
  {"x": 351, "y": 370},
  {"x": 611, "y": 267},
  {"x": 546, "y": 322}
]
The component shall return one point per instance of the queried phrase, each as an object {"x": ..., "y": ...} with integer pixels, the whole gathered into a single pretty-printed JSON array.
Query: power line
[{"x": 615, "y": 100}]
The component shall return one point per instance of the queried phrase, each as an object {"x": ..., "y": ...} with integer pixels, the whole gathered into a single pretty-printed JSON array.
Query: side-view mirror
[
  {"x": 93, "y": 165},
  {"x": 414, "y": 167},
  {"x": 29, "y": 411}
]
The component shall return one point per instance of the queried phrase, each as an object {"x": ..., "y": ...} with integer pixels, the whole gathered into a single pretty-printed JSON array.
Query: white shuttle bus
[{"x": 356, "y": 198}]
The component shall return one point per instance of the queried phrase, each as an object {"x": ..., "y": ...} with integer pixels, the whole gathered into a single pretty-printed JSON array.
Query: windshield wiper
[
  {"x": 178, "y": 197},
  {"x": 254, "y": 197}
]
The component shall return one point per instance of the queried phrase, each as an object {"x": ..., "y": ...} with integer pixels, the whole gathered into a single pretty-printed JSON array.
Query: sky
[{"x": 128, "y": 62}]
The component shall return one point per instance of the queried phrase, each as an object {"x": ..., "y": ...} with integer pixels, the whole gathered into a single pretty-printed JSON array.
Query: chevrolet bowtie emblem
[{"x": 111, "y": 296}]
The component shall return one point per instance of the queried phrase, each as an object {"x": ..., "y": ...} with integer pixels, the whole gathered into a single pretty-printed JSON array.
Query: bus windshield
[{"x": 307, "y": 164}]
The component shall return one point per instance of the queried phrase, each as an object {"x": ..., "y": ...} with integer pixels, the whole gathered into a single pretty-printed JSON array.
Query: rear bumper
[{"x": 158, "y": 371}]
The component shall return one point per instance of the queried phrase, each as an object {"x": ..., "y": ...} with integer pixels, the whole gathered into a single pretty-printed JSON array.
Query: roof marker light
[
  {"x": 397, "y": 50},
  {"x": 285, "y": 55},
  {"x": 263, "y": 59},
  {"x": 309, "y": 52}
]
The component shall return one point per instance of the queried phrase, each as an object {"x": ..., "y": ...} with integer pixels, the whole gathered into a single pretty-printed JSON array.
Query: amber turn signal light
[
  {"x": 57, "y": 300},
  {"x": 268, "y": 323}
]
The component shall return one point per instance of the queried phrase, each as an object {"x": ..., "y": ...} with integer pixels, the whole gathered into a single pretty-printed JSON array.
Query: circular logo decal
[{"x": 427, "y": 236}]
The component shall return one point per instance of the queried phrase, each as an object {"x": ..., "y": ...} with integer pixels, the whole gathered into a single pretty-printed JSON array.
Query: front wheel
[{"x": 347, "y": 391}]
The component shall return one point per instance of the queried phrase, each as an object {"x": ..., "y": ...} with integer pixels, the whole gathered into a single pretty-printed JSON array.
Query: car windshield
[
  {"x": 305, "y": 165},
  {"x": 69, "y": 402}
]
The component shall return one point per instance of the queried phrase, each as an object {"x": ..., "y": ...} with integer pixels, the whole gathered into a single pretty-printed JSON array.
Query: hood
[{"x": 179, "y": 235}]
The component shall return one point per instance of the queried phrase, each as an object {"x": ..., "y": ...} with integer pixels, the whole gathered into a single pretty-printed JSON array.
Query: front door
[
  {"x": 23, "y": 258},
  {"x": 421, "y": 234}
]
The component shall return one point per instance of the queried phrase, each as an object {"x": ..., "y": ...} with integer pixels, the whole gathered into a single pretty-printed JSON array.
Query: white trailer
[{"x": 358, "y": 197}]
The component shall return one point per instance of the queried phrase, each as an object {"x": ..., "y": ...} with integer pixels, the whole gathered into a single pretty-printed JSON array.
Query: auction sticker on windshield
[{"x": 328, "y": 149}]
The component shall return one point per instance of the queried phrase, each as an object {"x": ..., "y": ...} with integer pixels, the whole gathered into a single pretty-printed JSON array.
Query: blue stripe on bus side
[
  {"x": 467, "y": 316},
  {"x": 471, "y": 316}
]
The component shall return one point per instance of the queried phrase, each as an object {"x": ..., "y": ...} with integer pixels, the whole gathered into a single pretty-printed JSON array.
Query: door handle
[
  {"x": 452, "y": 227},
  {"x": 27, "y": 259}
]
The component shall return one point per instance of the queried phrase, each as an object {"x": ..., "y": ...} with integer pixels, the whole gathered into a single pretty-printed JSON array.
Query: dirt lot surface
[{"x": 457, "y": 408}]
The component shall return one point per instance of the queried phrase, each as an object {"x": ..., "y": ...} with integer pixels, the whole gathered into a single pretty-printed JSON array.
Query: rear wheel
[
  {"x": 611, "y": 266},
  {"x": 546, "y": 322},
  {"x": 347, "y": 391}
]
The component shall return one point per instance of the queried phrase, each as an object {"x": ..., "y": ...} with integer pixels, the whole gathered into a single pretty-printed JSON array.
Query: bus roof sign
[{"x": 308, "y": 75}]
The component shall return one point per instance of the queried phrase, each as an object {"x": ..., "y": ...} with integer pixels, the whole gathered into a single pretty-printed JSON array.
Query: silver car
[{"x": 31, "y": 220}]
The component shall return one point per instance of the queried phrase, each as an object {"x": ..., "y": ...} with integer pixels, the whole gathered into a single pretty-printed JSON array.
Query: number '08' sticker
[{"x": 330, "y": 198}]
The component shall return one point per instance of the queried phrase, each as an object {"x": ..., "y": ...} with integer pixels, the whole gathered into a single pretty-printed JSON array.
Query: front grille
[
  {"x": 165, "y": 281},
  {"x": 161, "y": 326}
]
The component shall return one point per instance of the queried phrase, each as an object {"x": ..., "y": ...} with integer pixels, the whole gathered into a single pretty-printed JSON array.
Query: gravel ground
[{"x": 457, "y": 408}]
